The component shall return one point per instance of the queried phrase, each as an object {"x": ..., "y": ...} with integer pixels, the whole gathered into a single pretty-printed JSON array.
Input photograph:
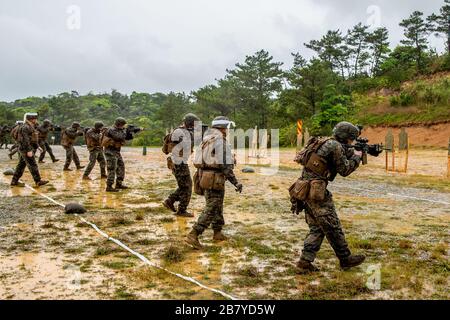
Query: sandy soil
[
  {"x": 400, "y": 221},
  {"x": 428, "y": 136}
]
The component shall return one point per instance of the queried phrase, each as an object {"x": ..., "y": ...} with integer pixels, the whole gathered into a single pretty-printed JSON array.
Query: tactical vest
[
  {"x": 309, "y": 158},
  {"x": 206, "y": 154},
  {"x": 15, "y": 132},
  {"x": 92, "y": 143},
  {"x": 66, "y": 140},
  {"x": 108, "y": 142},
  {"x": 169, "y": 145}
]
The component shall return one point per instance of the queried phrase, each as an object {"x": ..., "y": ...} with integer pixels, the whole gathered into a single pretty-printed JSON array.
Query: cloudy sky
[{"x": 51, "y": 46}]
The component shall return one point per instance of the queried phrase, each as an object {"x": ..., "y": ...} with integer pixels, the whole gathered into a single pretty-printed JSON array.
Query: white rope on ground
[
  {"x": 394, "y": 194},
  {"x": 137, "y": 254}
]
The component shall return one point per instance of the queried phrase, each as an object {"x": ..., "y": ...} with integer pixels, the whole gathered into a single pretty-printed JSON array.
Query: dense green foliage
[{"x": 332, "y": 86}]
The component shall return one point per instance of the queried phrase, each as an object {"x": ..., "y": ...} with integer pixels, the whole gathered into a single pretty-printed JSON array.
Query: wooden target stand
[{"x": 397, "y": 160}]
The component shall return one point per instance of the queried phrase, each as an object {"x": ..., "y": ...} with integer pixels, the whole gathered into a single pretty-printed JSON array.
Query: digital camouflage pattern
[
  {"x": 321, "y": 216},
  {"x": 71, "y": 155},
  {"x": 4, "y": 132},
  {"x": 44, "y": 130},
  {"x": 213, "y": 212},
  {"x": 114, "y": 161},
  {"x": 68, "y": 139},
  {"x": 184, "y": 191},
  {"x": 26, "y": 144},
  {"x": 93, "y": 141},
  {"x": 115, "y": 166},
  {"x": 183, "y": 144}
]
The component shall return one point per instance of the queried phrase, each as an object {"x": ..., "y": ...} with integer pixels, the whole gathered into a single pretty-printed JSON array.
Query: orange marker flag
[{"x": 299, "y": 127}]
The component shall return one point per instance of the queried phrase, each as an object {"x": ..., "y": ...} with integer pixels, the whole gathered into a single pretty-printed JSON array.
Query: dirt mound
[{"x": 430, "y": 135}]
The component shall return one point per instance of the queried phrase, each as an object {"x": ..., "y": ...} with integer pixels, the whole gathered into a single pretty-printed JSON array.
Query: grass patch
[{"x": 173, "y": 255}]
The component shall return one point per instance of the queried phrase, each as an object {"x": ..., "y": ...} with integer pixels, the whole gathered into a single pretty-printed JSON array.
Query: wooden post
[
  {"x": 403, "y": 148},
  {"x": 144, "y": 151},
  {"x": 389, "y": 142}
]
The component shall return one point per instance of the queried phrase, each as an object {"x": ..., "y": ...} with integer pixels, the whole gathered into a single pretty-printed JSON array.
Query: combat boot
[
  {"x": 192, "y": 239},
  {"x": 67, "y": 169},
  {"x": 81, "y": 167},
  {"x": 169, "y": 205},
  {"x": 86, "y": 178},
  {"x": 121, "y": 186},
  {"x": 111, "y": 189},
  {"x": 17, "y": 184},
  {"x": 304, "y": 266},
  {"x": 352, "y": 261},
  {"x": 10, "y": 156},
  {"x": 104, "y": 176},
  {"x": 219, "y": 236},
  {"x": 41, "y": 161},
  {"x": 42, "y": 183},
  {"x": 55, "y": 160},
  {"x": 184, "y": 214}
]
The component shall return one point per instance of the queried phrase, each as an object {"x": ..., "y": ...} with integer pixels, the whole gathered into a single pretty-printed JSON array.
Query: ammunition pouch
[
  {"x": 212, "y": 180},
  {"x": 300, "y": 190},
  {"x": 197, "y": 188},
  {"x": 317, "y": 190},
  {"x": 317, "y": 165}
]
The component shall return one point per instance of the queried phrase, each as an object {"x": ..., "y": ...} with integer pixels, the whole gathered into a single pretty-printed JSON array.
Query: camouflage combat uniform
[
  {"x": 213, "y": 212},
  {"x": 182, "y": 140},
  {"x": 3, "y": 136},
  {"x": 68, "y": 138},
  {"x": 27, "y": 141},
  {"x": 114, "y": 161},
  {"x": 321, "y": 216},
  {"x": 15, "y": 147},
  {"x": 94, "y": 145},
  {"x": 43, "y": 143}
]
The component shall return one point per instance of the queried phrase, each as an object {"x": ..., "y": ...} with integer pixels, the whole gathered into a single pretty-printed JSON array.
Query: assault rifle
[
  {"x": 362, "y": 144},
  {"x": 134, "y": 129}
]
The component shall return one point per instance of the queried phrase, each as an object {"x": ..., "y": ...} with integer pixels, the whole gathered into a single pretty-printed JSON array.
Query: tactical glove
[{"x": 239, "y": 187}]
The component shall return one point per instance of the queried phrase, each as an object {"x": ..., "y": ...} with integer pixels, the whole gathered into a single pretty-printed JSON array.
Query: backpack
[
  {"x": 167, "y": 141},
  {"x": 312, "y": 146},
  {"x": 15, "y": 132}
]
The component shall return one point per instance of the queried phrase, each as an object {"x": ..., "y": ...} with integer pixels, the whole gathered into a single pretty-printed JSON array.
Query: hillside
[
  {"x": 421, "y": 105},
  {"x": 425, "y": 100}
]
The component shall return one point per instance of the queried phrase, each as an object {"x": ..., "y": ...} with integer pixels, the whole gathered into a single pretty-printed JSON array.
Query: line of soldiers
[
  {"x": 104, "y": 146},
  {"x": 322, "y": 159}
]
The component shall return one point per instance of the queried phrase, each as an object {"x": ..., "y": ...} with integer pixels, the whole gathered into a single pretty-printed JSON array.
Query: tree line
[{"x": 259, "y": 91}]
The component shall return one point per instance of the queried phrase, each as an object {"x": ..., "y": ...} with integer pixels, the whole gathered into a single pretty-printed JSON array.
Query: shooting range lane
[
  {"x": 265, "y": 237},
  {"x": 138, "y": 255}
]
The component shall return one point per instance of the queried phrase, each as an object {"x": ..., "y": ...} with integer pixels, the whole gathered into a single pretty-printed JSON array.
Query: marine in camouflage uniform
[
  {"x": 44, "y": 130},
  {"x": 4, "y": 131},
  {"x": 28, "y": 143},
  {"x": 182, "y": 141},
  {"x": 94, "y": 144},
  {"x": 69, "y": 136},
  {"x": 15, "y": 147},
  {"x": 116, "y": 137},
  {"x": 321, "y": 215},
  {"x": 213, "y": 212}
]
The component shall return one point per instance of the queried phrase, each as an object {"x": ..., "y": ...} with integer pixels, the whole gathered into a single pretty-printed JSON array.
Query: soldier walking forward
[
  {"x": 216, "y": 164},
  {"x": 27, "y": 139},
  {"x": 179, "y": 145},
  {"x": 324, "y": 158}
]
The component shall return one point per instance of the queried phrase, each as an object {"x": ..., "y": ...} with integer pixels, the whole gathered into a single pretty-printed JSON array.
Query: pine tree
[
  {"x": 440, "y": 24},
  {"x": 416, "y": 33}
]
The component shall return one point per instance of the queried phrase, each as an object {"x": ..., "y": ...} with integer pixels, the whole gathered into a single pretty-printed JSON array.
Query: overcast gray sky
[{"x": 49, "y": 46}]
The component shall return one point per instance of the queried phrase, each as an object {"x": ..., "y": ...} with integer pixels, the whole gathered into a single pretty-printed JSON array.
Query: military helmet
[
  {"x": 120, "y": 122},
  {"x": 30, "y": 116},
  {"x": 189, "y": 119},
  {"x": 221, "y": 123},
  {"x": 98, "y": 125},
  {"x": 344, "y": 131},
  {"x": 47, "y": 122},
  {"x": 76, "y": 124}
]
